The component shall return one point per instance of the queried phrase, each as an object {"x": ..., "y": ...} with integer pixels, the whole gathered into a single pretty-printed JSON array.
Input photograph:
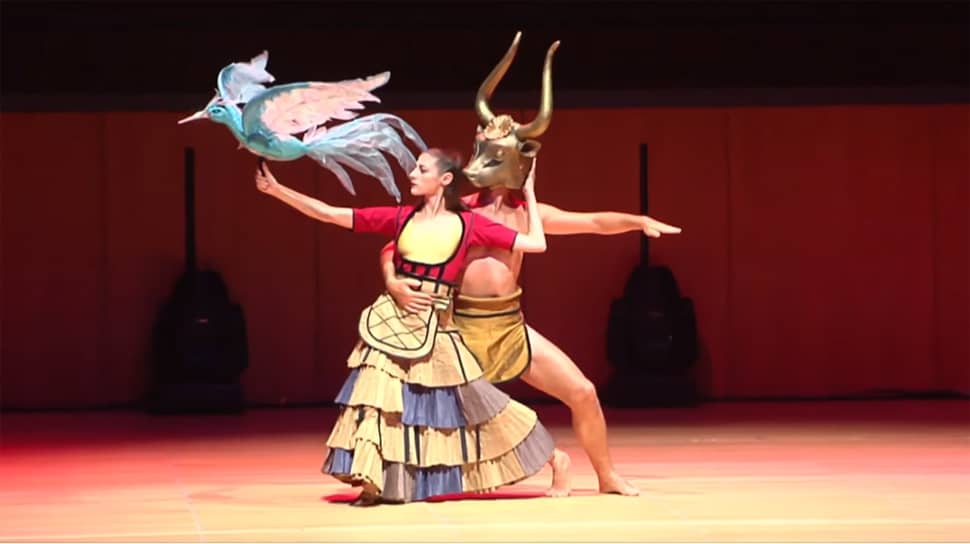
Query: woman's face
[{"x": 426, "y": 178}]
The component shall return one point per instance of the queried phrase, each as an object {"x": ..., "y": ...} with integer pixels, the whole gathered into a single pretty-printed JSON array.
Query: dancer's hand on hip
[{"x": 405, "y": 294}]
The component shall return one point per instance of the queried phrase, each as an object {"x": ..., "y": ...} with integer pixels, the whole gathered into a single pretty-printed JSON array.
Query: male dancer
[{"x": 487, "y": 310}]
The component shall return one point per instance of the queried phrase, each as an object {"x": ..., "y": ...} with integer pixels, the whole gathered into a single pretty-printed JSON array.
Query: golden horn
[
  {"x": 541, "y": 122},
  {"x": 491, "y": 82}
]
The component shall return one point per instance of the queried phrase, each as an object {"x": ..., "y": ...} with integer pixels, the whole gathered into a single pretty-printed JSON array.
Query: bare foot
[
  {"x": 613, "y": 483},
  {"x": 561, "y": 480},
  {"x": 365, "y": 499},
  {"x": 368, "y": 496}
]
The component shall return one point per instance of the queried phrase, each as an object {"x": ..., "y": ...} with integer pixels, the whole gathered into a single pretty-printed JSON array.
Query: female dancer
[{"x": 417, "y": 419}]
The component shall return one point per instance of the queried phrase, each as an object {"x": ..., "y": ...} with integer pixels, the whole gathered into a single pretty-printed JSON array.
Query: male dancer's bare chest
[{"x": 495, "y": 272}]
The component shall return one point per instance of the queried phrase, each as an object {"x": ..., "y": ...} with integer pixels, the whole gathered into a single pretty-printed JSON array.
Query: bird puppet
[{"x": 268, "y": 120}]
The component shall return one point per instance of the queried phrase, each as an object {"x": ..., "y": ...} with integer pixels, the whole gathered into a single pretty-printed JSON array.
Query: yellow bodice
[{"x": 430, "y": 242}]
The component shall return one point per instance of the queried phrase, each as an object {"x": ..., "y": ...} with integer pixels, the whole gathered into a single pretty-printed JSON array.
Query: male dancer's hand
[
  {"x": 653, "y": 228},
  {"x": 405, "y": 294}
]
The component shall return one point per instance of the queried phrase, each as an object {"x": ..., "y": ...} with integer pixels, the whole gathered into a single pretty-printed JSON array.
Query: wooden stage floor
[{"x": 834, "y": 471}]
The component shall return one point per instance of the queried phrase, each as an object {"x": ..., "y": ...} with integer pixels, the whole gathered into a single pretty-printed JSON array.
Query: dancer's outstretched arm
[
  {"x": 317, "y": 209},
  {"x": 557, "y": 221}
]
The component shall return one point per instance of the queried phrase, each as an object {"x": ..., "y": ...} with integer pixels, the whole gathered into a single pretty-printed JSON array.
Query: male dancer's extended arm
[{"x": 557, "y": 221}]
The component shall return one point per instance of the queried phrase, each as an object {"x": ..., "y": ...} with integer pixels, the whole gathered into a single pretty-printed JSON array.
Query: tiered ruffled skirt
[{"x": 413, "y": 429}]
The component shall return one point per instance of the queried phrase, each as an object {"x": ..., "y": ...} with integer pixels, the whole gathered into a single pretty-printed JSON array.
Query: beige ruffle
[
  {"x": 433, "y": 447},
  {"x": 396, "y": 481}
]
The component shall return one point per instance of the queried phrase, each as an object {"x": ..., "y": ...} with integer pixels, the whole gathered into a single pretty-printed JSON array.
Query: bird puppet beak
[{"x": 201, "y": 114}]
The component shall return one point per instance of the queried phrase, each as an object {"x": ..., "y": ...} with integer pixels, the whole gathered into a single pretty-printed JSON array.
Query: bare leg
[
  {"x": 561, "y": 481},
  {"x": 555, "y": 374}
]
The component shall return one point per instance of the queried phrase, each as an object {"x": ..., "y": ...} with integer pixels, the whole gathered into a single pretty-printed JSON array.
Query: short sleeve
[
  {"x": 486, "y": 232},
  {"x": 379, "y": 219}
]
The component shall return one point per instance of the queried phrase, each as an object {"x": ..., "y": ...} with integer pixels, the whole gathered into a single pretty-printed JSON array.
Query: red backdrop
[{"x": 825, "y": 248}]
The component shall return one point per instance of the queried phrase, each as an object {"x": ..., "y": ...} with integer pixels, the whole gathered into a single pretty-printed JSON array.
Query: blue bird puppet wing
[
  {"x": 270, "y": 119},
  {"x": 286, "y": 110},
  {"x": 297, "y": 107},
  {"x": 241, "y": 81}
]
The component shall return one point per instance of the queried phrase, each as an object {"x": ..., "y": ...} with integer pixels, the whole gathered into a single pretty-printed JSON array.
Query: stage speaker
[{"x": 199, "y": 342}]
